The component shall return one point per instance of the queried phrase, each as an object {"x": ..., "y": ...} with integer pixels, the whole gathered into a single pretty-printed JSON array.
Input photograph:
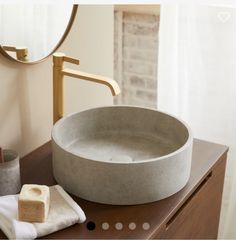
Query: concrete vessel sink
[{"x": 121, "y": 155}]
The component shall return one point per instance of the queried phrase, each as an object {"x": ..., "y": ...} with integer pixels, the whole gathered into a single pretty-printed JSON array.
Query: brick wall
[{"x": 135, "y": 57}]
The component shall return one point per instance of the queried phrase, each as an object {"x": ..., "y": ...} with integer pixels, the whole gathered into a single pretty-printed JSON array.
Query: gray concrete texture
[{"x": 121, "y": 155}]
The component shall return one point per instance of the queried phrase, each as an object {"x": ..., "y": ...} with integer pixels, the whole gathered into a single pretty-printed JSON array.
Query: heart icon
[{"x": 224, "y": 16}]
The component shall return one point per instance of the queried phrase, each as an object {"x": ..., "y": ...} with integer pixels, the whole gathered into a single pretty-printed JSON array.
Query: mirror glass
[{"x": 31, "y": 32}]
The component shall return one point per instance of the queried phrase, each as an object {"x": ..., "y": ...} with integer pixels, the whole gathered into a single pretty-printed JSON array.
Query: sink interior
[
  {"x": 121, "y": 134},
  {"x": 118, "y": 147}
]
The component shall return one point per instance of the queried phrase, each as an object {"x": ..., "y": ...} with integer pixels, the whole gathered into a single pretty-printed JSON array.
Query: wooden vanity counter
[{"x": 192, "y": 213}]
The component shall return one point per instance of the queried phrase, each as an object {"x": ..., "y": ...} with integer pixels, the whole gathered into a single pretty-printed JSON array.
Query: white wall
[{"x": 26, "y": 90}]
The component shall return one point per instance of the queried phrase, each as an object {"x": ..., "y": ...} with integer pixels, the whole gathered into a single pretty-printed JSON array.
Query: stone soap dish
[{"x": 121, "y": 154}]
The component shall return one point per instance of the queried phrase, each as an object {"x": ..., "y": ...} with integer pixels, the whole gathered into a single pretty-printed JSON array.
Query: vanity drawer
[{"x": 198, "y": 217}]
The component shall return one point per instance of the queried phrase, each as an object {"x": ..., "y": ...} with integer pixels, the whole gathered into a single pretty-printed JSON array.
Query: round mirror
[{"x": 31, "y": 32}]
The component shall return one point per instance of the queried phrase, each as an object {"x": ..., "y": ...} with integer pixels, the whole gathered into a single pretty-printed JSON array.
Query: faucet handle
[
  {"x": 71, "y": 60},
  {"x": 59, "y": 58}
]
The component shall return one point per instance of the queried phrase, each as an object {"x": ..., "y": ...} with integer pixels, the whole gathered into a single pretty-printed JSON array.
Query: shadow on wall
[
  {"x": 8, "y": 105},
  {"x": 15, "y": 98},
  {"x": 25, "y": 105},
  {"x": 24, "y": 108}
]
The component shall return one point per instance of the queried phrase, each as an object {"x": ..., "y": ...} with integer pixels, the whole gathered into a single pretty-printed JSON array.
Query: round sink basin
[{"x": 121, "y": 155}]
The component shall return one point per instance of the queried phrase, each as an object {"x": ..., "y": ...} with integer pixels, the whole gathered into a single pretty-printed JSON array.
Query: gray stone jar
[{"x": 10, "y": 182}]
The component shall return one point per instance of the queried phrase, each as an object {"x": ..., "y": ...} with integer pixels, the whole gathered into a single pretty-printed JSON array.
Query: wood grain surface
[{"x": 208, "y": 163}]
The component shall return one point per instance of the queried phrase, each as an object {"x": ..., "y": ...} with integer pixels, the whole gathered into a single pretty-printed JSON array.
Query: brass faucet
[
  {"x": 58, "y": 74},
  {"x": 21, "y": 52}
]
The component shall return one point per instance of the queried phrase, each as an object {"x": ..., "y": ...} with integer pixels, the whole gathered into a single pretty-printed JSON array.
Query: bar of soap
[{"x": 33, "y": 203}]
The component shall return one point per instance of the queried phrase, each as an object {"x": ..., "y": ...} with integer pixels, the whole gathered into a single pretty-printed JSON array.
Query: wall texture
[
  {"x": 135, "y": 57},
  {"x": 26, "y": 90}
]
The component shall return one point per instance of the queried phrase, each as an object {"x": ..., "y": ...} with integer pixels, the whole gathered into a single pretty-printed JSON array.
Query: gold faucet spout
[
  {"x": 58, "y": 74},
  {"x": 112, "y": 84}
]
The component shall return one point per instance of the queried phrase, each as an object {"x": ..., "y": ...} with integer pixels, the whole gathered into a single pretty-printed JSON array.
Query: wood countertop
[{"x": 36, "y": 168}]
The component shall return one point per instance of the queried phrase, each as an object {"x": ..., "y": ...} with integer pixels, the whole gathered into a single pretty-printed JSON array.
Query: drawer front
[{"x": 198, "y": 217}]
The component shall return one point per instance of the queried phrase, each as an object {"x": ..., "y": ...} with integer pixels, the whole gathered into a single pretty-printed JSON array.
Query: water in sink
[{"x": 121, "y": 148}]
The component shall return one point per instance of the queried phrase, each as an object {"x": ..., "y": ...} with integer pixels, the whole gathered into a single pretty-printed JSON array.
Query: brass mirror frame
[{"x": 66, "y": 32}]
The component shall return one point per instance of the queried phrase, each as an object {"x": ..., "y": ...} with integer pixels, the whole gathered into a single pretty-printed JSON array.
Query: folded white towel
[{"x": 64, "y": 212}]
